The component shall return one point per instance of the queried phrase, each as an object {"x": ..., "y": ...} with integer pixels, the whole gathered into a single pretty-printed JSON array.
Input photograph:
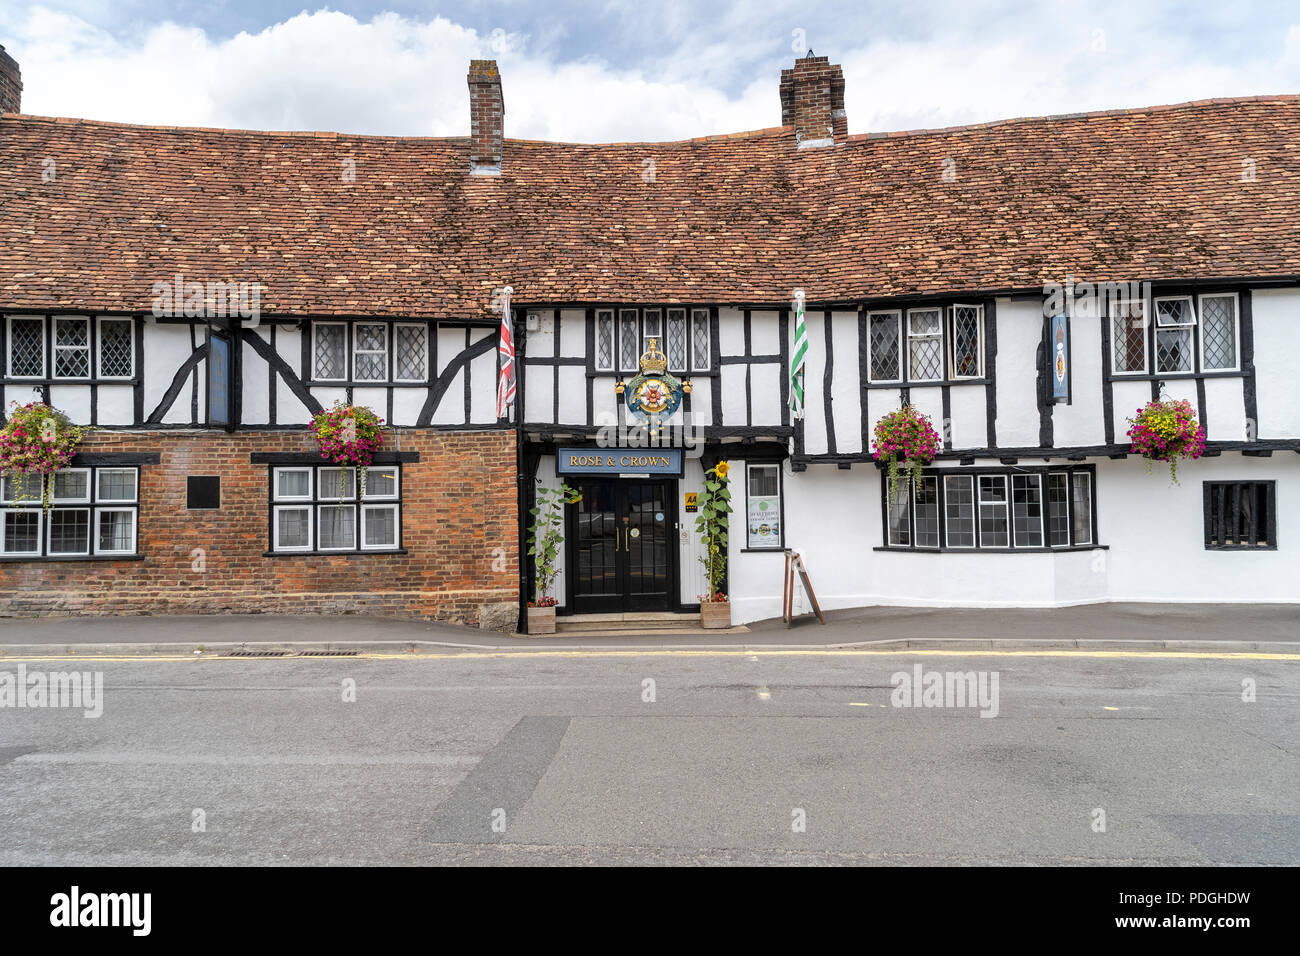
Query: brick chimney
[
  {"x": 11, "y": 84},
  {"x": 487, "y": 109},
  {"x": 812, "y": 101}
]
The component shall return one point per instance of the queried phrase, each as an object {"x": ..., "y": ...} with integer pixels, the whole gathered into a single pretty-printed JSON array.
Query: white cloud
[{"x": 403, "y": 76}]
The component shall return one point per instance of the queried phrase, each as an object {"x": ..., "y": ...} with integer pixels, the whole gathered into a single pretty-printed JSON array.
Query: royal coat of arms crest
[{"x": 653, "y": 396}]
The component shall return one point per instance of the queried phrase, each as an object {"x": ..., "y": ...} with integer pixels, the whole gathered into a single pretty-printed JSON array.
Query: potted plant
[
  {"x": 545, "y": 535},
  {"x": 36, "y": 440},
  {"x": 711, "y": 523},
  {"x": 905, "y": 441},
  {"x": 1167, "y": 431},
  {"x": 349, "y": 435}
]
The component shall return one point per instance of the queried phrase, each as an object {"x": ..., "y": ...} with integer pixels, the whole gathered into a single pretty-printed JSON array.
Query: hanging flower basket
[
  {"x": 905, "y": 441},
  {"x": 349, "y": 435},
  {"x": 36, "y": 440},
  {"x": 1167, "y": 431}
]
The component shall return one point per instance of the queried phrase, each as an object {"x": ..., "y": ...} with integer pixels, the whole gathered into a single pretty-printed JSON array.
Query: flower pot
[
  {"x": 541, "y": 620},
  {"x": 715, "y": 613}
]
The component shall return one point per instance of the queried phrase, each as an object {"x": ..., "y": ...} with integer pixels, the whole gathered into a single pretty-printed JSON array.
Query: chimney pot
[
  {"x": 487, "y": 110},
  {"x": 11, "y": 84},
  {"x": 812, "y": 101}
]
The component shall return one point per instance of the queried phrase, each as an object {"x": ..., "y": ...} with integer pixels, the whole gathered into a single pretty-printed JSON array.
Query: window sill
[
  {"x": 334, "y": 554},
  {"x": 315, "y": 384},
  {"x": 936, "y": 383},
  {"x": 779, "y": 550},
  {"x": 1240, "y": 547},
  {"x": 1074, "y": 547},
  {"x": 1173, "y": 376},
  {"x": 50, "y": 559}
]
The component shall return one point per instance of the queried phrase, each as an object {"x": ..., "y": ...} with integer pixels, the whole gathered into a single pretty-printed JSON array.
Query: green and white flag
[{"x": 797, "y": 357}]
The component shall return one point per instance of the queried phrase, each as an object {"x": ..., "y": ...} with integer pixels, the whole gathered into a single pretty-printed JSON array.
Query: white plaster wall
[
  {"x": 573, "y": 333},
  {"x": 117, "y": 405},
  {"x": 845, "y": 393},
  {"x": 690, "y": 547},
  {"x": 72, "y": 400},
  {"x": 539, "y": 392},
  {"x": 1225, "y": 410},
  {"x": 1083, "y": 421},
  {"x": 605, "y": 403},
  {"x": 1019, "y": 331},
  {"x": 541, "y": 342},
  {"x": 289, "y": 410},
  {"x": 573, "y": 394},
  {"x": 766, "y": 390},
  {"x": 1180, "y": 390},
  {"x": 827, "y": 519},
  {"x": 969, "y": 426},
  {"x": 927, "y": 399},
  {"x": 166, "y": 348},
  {"x": 731, "y": 331},
  {"x": 375, "y": 399},
  {"x": 733, "y": 395},
  {"x": 765, "y": 333},
  {"x": 407, "y": 403},
  {"x": 1276, "y": 318},
  {"x": 483, "y": 384},
  {"x": 256, "y": 397},
  {"x": 1129, "y": 397}
]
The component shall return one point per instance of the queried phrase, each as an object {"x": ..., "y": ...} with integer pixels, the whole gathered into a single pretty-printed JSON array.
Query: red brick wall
[
  {"x": 458, "y": 505},
  {"x": 11, "y": 84},
  {"x": 812, "y": 99}
]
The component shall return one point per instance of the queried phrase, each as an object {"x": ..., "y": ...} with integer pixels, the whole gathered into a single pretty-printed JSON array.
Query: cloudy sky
[{"x": 631, "y": 69}]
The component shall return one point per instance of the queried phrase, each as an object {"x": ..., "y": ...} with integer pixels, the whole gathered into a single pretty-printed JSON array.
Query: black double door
[{"x": 622, "y": 553}]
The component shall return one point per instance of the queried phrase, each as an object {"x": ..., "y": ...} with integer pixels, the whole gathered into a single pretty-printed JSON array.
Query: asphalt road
[{"x": 564, "y": 753}]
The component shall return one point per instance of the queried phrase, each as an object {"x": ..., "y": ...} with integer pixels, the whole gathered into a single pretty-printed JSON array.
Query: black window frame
[
  {"x": 1218, "y": 493},
  {"x": 349, "y": 379},
  {"x": 95, "y": 376},
  {"x": 947, "y": 309},
  {"x": 1151, "y": 326},
  {"x": 973, "y": 474},
  {"x": 93, "y": 505}
]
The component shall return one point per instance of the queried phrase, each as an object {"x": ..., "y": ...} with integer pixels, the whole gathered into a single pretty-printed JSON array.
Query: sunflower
[{"x": 721, "y": 469}]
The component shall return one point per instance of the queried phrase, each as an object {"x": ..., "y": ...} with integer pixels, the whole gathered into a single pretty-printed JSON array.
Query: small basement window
[{"x": 1240, "y": 516}]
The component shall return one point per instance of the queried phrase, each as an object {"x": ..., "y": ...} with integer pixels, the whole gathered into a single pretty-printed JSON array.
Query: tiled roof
[{"x": 1206, "y": 189}]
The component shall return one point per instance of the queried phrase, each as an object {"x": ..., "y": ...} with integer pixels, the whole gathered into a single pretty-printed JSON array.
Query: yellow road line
[{"x": 749, "y": 652}]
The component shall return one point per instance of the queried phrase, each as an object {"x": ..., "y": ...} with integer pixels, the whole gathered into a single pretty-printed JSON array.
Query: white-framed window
[
  {"x": 1081, "y": 508},
  {"x": 1128, "y": 337},
  {"x": 1175, "y": 325},
  {"x": 291, "y": 528},
  {"x": 701, "y": 341},
  {"x": 1220, "y": 332},
  {"x": 25, "y": 346},
  {"x": 604, "y": 357},
  {"x": 924, "y": 345},
  {"x": 994, "y": 524},
  {"x": 370, "y": 352},
  {"x": 116, "y": 352},
  {"x": 1058, "y": 509},
  {"x": 652, "y": 328},
  {"x": 71, "y": 347},
  {"x": 763, "y": 506},
  {"x": 959, "y": 510},
  {"x": 115, "y": 484},
  {"x": 884, "y": 346},
  {"x": 93, "y": 512},
  {"x": 20, "y": 532},
  {"x": 329, "y": 343},
  {"x": 379, "y": 527},
  {"x": 115, "y": 530},
  {"x": 410, "y": 352},
  {"x": 899, "y": 513},
  {"x": 325, "y": 509},
  {"x": 966, "y": 341}
]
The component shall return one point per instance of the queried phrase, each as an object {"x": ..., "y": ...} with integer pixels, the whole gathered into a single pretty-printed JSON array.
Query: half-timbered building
[{"x": 197, "y": 295}]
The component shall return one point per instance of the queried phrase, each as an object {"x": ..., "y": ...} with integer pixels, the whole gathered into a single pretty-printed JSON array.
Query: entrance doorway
[{"x": 622, "y": 546}]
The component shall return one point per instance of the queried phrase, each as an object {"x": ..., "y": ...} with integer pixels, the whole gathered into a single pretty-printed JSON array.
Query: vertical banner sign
[
  {"x": 1060, "y": 343},
  {"x": 506, "y": 358},
  {"x": 797, "y": 356}
]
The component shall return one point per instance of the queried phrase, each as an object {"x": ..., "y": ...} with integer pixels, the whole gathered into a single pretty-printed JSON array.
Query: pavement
[
  {"x": 702, "y": 756},
  {"x": 1154, "y": 627}
]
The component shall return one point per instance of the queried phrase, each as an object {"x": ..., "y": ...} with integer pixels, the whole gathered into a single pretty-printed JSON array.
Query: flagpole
[{"x": 798, "y": 356}]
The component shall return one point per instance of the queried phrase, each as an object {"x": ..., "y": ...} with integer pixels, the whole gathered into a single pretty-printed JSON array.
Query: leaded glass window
[
  {"x": 605, "y": 341},
  {"x": 675, "y": 340},
  {"x": 411, "y": 355},
  {"x": 330, "y": 351},
  {"x": 925, "y": 349},
  {"x": 1218, "y": 332},
  {"x": 1128, "y": 338},
  {"x": 116, "y": 351},
  {"x": 370, "y": 353},
  {"x": 883, "y": 341},
  {"x": 966, "y": 333},
  {"x": 628, "y": 340},
  {"x": 27, "y": 348},
  {"x": 71, "y": 348}
]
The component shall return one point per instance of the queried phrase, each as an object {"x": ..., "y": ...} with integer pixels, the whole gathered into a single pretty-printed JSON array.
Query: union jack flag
[{"x": 506, "y": 358}]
